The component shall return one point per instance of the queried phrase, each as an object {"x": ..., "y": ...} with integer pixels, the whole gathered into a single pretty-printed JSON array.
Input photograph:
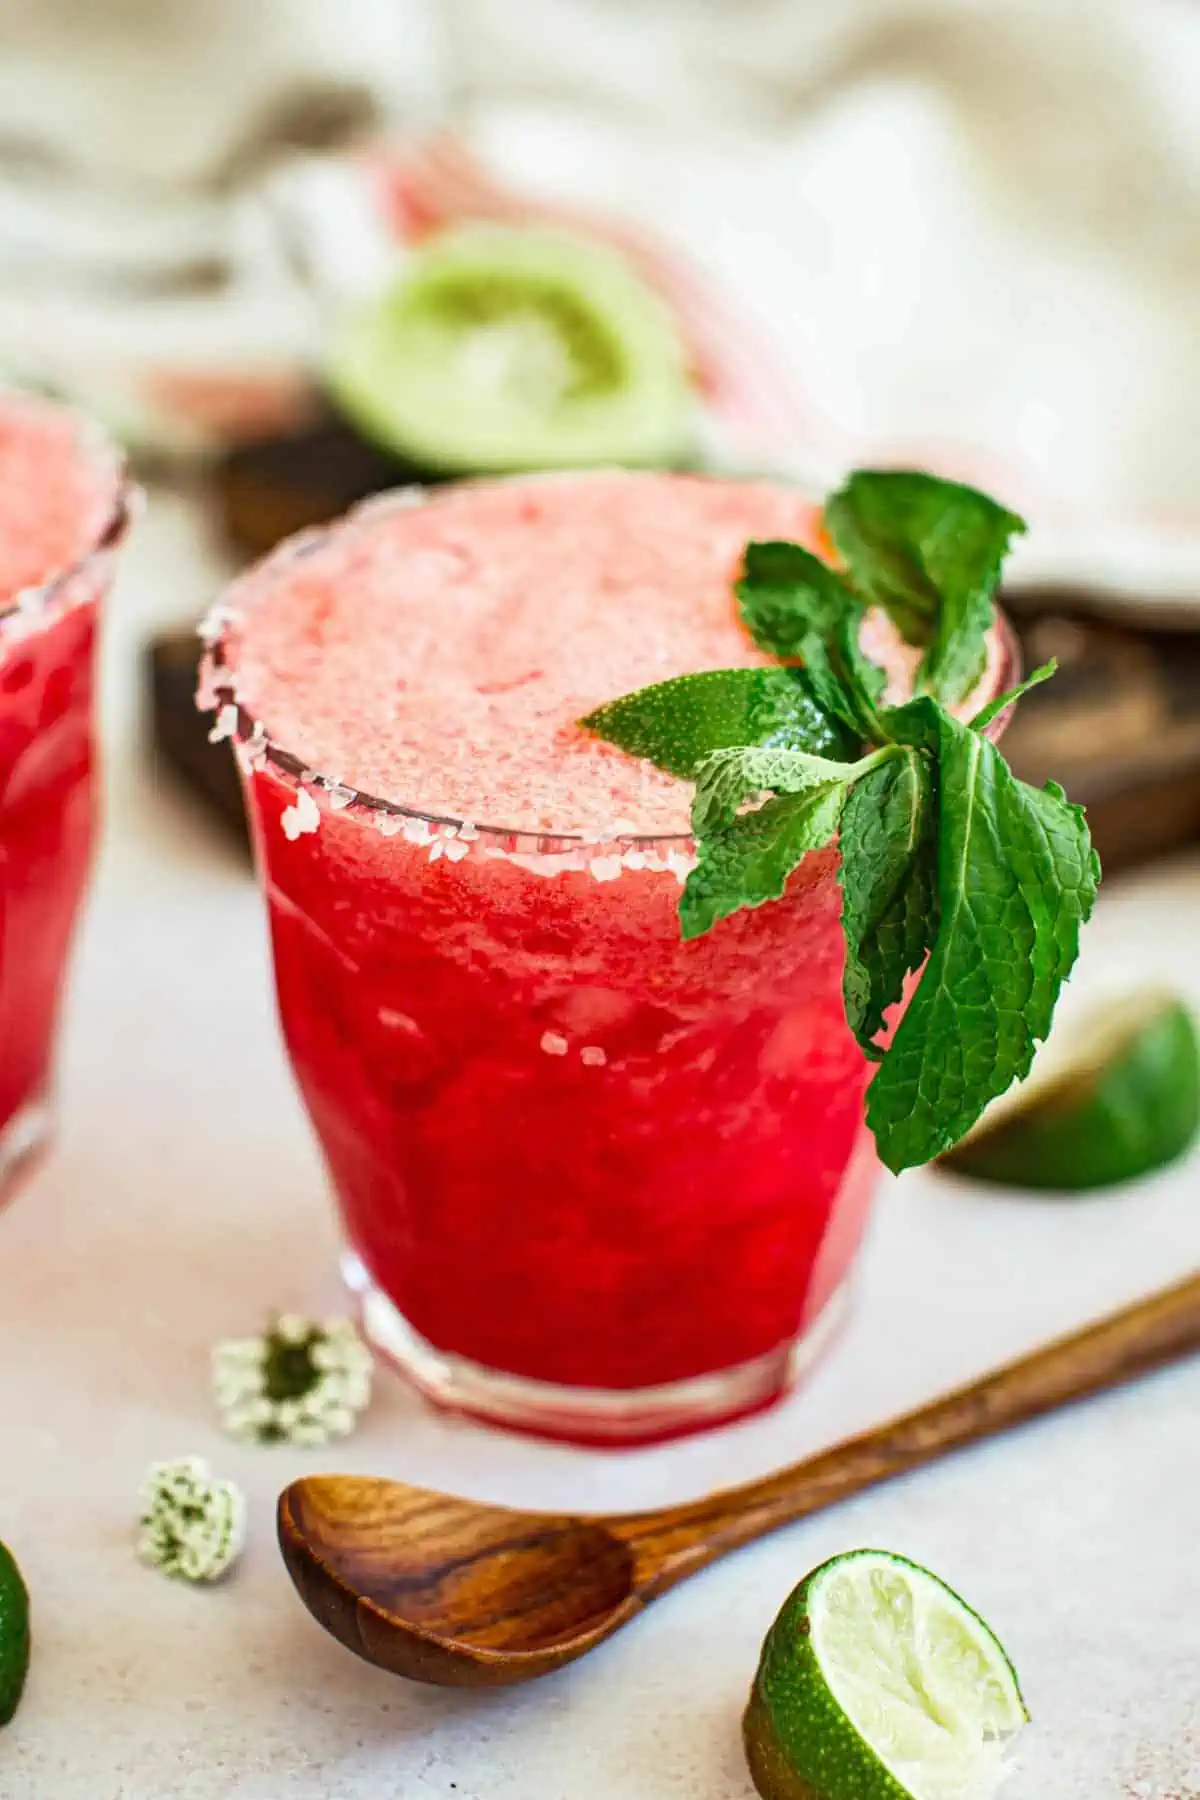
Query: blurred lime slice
[
  {"x": 496, "y": 349},
  {"x": 877, "y": 1682},
  {"x": 1115, "y": 1097}
]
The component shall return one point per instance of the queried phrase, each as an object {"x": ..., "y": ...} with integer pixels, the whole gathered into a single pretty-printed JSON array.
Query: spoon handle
[{"x": 674, "y": 1542}]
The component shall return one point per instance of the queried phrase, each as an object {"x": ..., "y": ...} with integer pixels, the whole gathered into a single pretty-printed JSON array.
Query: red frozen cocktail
[
  {"x": 62, "y": 513},
  {"x": 594, "y": 1180}
]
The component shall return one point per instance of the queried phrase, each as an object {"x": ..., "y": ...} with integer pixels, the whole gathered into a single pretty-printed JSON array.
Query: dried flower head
[
  {"x": 304, "y": 1382},
  {"x": 192, "y": 1526}
]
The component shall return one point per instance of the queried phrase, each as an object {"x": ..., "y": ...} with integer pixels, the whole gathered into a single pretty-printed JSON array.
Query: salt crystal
[
  {"x": 634, "y": 859},
  {"x": 554, "y": 1044},
  {"x": 254, "y": 748},
  {"x": 615, "y": 828},
  {"x": 214, "y": 625},
  {"x": 303, "y": 816},
  {"x": 605, "y": 868},
  {"x": 417, "y": 831},
  {"x": 680, "y": 865},
  {"x": 467, "y": 831},
  {"x": 593, "y": 1056},
  {"x": 435, "y": 849},
  {"x": 454, "y": 850},
  {"x": 225, "y": 724},
  {"x": 390, "y": 824},
  {"x": 339, "y": 795}
]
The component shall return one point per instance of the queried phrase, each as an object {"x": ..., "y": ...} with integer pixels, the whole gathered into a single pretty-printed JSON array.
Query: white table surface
[{"x": 185, "y": 1200}]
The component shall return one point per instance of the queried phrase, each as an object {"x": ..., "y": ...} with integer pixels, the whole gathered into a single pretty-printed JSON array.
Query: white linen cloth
[
  {"x": 973, "y": 233},
  {"x": 974, "y": 230}
]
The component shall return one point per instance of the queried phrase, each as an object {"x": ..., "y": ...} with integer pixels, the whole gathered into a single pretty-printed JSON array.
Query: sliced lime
[
  {"x": 1112, "y": 1098},
  {"x": 498, "y": 349},
  {"x": 878, "y": 1683},
  {"x": 14, "y": 1635}
]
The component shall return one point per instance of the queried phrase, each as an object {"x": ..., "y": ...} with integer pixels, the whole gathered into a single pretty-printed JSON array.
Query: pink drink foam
[
  {"x": 440, "y": 655},
  {"x": 56, "y": 493}
]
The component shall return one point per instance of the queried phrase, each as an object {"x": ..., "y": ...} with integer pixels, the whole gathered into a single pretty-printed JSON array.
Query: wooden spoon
[{"x": 465, "y": 1594}]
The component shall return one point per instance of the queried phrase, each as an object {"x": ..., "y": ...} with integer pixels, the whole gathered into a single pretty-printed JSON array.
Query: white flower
[
  {"x": 304, "y": 1382},
  {"x": 192, "y": 1526}
]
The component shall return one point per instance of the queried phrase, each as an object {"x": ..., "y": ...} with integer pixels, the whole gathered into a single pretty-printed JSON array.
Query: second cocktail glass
[{"x": 64, "y": 507}]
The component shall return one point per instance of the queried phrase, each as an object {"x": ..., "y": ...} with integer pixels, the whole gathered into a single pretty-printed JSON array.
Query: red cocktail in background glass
[
  {"x": 62, "y": 516},
  {"x": 595, "y": 1181}
]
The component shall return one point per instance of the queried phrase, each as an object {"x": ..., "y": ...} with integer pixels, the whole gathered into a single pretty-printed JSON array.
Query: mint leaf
[
  {"x": 728, "y": 778},
  {"x": 795, "y": 607},
  {"x": 929, "y": 552},
  {"x": 787, "y": 594},
  {"x": 1016, "y": 877},
  {"x": 744, "y": 858},
  {"x": 1002, "y": 702},
  {"x": 675, "y": 724},
  {"x": 889, "y": 896},
  {"x": 863, "y": 679},
  {"x": 1067, "y": 870},
  {"x": 749, "y": 860}
]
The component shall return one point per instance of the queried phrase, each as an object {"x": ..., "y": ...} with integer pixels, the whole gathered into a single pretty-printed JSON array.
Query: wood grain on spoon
[{"x": 465, "y": 1594}]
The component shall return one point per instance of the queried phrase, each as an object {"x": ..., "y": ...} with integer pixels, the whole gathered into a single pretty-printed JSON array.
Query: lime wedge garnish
[
  {"x": 1113, "y": 1098},
  {"x": 878, "y": 1683},
  {"x": 14, "y": 1635}
]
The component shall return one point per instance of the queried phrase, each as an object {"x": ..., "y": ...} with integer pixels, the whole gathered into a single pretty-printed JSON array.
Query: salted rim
[
  {"x": 29, "y": 602},
  {"x": 237, "y": 723}
]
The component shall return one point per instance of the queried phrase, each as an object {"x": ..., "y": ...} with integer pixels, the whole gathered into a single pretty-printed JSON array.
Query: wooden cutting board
[{"x": 267, "y": 491}]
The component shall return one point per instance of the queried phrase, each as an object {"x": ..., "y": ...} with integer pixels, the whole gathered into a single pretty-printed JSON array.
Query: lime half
[
  {"x": 878, "y": 1683},
  {"x": 498, "y": 349},
  {"x": 14, "y": 1635},
  {"x": 1111, "y": 1099}
]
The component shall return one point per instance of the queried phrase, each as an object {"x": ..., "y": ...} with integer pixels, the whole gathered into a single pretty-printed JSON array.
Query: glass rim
[
  {"x": 235, "y": 721},
  {"x": 38, "y": 597}
]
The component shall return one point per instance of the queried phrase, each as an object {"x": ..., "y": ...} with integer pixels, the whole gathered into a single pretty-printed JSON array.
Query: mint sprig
[{"x": 952, "y": 870}]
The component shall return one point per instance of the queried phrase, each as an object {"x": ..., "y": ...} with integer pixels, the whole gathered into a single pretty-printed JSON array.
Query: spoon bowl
[
  {"x": 466, "y": 1594},
  {"x": 485, "y": 1594}
]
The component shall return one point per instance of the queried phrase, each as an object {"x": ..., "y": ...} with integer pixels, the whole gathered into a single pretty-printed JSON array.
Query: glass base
[
  {"x": 23, "y": 1142},
  {"x": 581, "y": 1415}
]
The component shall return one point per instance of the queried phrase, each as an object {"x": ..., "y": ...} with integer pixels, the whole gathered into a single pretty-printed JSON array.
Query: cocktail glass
[
  {"x": 595, "y": 1182},
  {"x": 47, "y": 803}
]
